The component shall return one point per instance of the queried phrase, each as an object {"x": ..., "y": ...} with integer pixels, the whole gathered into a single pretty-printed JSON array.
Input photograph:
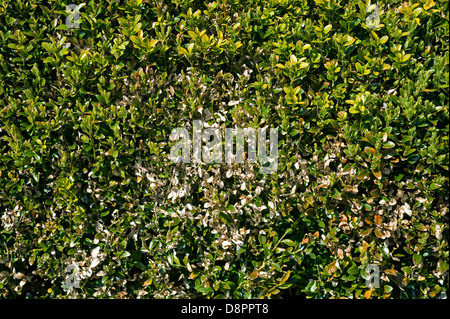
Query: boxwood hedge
[{"x": 358, "y": 92}]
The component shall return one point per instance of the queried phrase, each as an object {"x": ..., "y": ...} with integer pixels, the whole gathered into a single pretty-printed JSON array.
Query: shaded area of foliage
[{"x": 85, "y": 118}]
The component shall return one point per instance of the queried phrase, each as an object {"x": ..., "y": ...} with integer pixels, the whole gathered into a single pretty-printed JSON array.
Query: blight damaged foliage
[{"x": 85, "y": 176}]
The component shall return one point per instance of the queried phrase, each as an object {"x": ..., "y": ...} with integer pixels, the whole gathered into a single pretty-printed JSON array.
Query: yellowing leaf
[
  {"x": 378, "y": 219},
  {"x": 391, "y": 272},
  {"x": 384, "y": 39},
  {"x": 428, "y": 4},
  {"x": 377, "y": 174},
  {"x": 153, "y": 42},
  {"x": 350, "y": 40},
  {"x": 193, "y": 275},
  {"x": 285, "y": 277},
  {"x": 368, "y": 293},
  {"x": 371, "y": 150},
  {"x": 182, "y": 50},
  {"x": 293, "y": 59},
  {"x": 304, "y": 65},
  {"x": 148, "y": 282},
  {"x": 353, "y": 110}
]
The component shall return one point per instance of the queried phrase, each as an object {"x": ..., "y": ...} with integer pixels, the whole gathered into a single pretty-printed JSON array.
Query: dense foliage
[{"x": 85, "y": 178}]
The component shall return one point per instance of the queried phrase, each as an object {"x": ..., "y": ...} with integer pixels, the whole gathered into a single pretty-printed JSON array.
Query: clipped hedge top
[{"x": 85, "y": 177}]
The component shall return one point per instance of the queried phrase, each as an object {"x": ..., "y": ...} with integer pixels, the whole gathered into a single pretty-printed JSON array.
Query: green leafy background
[{"x": 362, "y": 116}]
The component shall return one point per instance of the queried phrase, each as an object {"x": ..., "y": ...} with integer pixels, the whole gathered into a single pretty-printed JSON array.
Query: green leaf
[
  {"x": 407, "y": 270},
  {"x": 100, "y": 98},
  {"x": 434, "y": 186},
  {"x": 48, "y": 46},
  {"x": 388, "y": 144},
  {"x": 276, "y": 266},
  {"x": 353, "y": 270},
  {"x": 289, "y": 242},
  {"x": 387, "y": 289},
  {"x": 62, "y": 27},
  {"x": 417, "y": 258}
]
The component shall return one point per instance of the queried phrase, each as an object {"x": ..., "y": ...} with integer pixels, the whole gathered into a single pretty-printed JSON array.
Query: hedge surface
[{"x": 362, "y": 113}]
